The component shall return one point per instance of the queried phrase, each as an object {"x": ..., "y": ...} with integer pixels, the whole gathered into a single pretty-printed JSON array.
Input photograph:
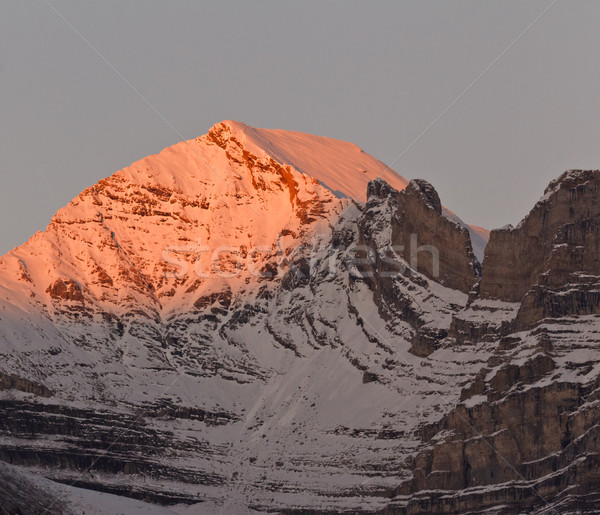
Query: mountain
[
  {"x": 339, "y": 166},
  {"x": 272, "y": 321}
]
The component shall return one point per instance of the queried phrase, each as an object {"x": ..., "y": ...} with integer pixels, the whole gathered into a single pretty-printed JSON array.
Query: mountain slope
[
  {"x": 199, "y": 310},
  {"x": 213, "y": 325}
]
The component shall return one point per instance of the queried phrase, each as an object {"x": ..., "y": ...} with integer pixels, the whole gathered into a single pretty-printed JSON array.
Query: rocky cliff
[
  {"x": 524, "y": 436},
  {"x": 550, "y": 262},
  {"x": 432, "y": 244},
  {"x": 405, "y": 234}
]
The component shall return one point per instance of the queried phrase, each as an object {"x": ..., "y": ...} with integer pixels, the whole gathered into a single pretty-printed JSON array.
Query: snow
[
  {"x": 286, "y": 364},
  {"x": 476, "y": 399},
  {"x": 340, "y": 166},
  {"x": 48, "y": 495}
]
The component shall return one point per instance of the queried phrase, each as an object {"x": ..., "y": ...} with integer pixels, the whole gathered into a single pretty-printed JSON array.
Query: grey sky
[{"x": 375, "y": 73}]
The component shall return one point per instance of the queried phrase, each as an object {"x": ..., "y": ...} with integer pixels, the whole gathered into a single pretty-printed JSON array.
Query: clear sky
[{"x": 375, "y": 73}]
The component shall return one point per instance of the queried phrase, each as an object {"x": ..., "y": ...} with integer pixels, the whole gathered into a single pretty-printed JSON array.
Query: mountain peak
[
  {"x": 425, "y": 190},
  {"x": 223, "y": 132},
  {"x": 340, "y": 166},
  {"x": 234, "y": 185},
  {"x": 569, "y": 179}
]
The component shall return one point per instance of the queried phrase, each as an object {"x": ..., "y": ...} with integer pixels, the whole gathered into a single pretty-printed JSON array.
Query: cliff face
[
  {"x": 432, "y": 244},
  {"x": 557, "y": 236},
  {"x": 421, "y": 236},
  {"x": 409, "y": 239},
  {"x": 550, "y": 262},
  {"x": 524, "y": 436}
]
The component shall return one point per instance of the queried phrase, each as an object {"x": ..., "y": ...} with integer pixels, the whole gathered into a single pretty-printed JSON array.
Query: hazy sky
[{"x": 375, "y": 73}]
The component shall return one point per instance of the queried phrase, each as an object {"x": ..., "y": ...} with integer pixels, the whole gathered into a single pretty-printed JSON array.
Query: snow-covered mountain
[
  {"x": 340, "y": 166},
  {"x": 238, "y": 323}
]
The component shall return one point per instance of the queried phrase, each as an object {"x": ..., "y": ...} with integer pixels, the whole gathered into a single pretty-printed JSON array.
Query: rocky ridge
[{"x": 523, "y": 437}]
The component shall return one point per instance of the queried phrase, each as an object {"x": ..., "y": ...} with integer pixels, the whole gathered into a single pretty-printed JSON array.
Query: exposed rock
[
  {"x": 427, "y": 241},
  {"x": 426, "y": 341},
  {"x": 369, "y": 377},
  {"x": 71, "y": 440},
  {"x": 483, "y": 321},
  {"x": 518, "y": 447},
  {"x": 65, "y": 289},
  {"x": 432, "y": 244},
  {"x": 557, "y": 238},
  {"x": 222, "y": 298},
  {"x": 14, "y": 382},
  {"x": 550, "y": 262},
  {"x": 404, "y": 234}
]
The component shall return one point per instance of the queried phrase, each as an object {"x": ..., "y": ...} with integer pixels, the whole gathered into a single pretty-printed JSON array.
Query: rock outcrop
[
  {"x": 404, "y": 242},
  {"x": 424, "y": 239},
  {"x": 65, "y": 289},
  {"x": 523, "y": 437},
  {"x": 432, "y": 244},
  {"x": 551, "y": 261}
]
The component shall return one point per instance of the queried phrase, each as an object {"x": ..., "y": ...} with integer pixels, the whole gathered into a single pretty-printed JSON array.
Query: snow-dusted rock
[{"x": 217, "y": 324}]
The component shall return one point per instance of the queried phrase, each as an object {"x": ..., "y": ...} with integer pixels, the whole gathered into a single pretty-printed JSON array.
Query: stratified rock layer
[
  {"x": 525, "y": 435},
  {"x": 557, "y": 237}
]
